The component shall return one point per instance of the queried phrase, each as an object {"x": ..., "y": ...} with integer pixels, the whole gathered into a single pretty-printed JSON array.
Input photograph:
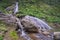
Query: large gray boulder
[
  {"x": 33, "y": 24},
  {"x": 30, "y": 22}
]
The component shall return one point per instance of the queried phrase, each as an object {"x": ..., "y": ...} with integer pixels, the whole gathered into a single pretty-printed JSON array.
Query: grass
[
  {"x": 42, "y": 11},
  {"x": 36, "y": 8}
]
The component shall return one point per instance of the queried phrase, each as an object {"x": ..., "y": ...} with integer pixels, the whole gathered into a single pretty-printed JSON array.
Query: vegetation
[
  {"x": 37, "y": 8},
  {"x": 1, "y": 37},
  {"x": 43, "y": 9},
  {"x": 13, "y": 35}
]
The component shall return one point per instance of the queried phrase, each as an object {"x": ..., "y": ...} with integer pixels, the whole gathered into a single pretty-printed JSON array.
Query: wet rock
[
  {"x": 28, "y": 25},
  {"x": 34, "y": 23},
  {"x": 31, "y": 30},
  {"x": 31, "y": 25},
  {"x": 39, "y": 36},
  {"x": 57, "y": 35}
]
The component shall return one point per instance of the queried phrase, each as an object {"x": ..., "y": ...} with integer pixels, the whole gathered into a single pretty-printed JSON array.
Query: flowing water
[
  {"x": 39, "y": 25},
  {"x": 23, "y": 34},
  {"x": 16, "y": 8}
]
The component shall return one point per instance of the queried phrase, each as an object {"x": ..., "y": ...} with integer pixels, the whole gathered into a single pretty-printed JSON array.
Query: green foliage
[
  {"x": 1, "y": 38},
  {"x": 13, "y": 35},
  {"x": 43, "y": 9}
]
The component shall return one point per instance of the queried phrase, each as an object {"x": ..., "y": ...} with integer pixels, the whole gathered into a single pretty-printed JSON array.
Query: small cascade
[
  {"x": 41, "y": 26},
  {"x": 23, "y": 34},
  {"x": 38, "y": 22},
  {"x": 16, "y": 8},
  {"x": 29, "y": 22}
]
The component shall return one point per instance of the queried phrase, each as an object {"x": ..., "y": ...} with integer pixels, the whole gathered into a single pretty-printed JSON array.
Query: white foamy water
[
  {"x": 40, "y": 25},
  {"x": 23, "y": 34},
  {"x": 16, "y": 8},
  {"x": 38, "y": 22}
]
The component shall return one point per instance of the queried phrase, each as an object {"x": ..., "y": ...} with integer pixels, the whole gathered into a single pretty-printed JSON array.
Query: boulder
[
  {"x": 57, "y": 35},
  {"x": 28, "y": 24},
  {"x": 34, "y": 24}
]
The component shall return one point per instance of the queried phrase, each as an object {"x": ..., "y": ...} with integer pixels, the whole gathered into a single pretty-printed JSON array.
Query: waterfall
[
  {"x": 16, "y": 8},
  {"x": 38, "y": 22},
  {"x": 23, "y": 34}
]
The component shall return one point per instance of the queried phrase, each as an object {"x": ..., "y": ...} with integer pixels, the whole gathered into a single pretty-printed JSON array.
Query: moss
[
  {"x": 1, "y": 37},
  {"x": 13, "y": 35}
]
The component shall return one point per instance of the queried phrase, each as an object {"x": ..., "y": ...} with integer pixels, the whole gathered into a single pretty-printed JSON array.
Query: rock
[
  {"x": 28, "y": 24},
  {"x": 39, "y": 36},
  {"x": 34, "y": 23},
  {"x": 57, "y": 35},
  {"x": 8, "y": 19},
  {"x": 31, "y": 30},
  {"x": 46, "y": 33}
]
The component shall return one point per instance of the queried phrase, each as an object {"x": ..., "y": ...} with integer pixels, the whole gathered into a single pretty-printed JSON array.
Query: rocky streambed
[{"x": 27, "y": 28}]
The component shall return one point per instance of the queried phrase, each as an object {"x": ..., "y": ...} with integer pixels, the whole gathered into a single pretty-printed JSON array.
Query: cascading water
[
  {"x": 39, "y": 24},
  {"x": 16, "y": 8},
  {"x": 23, "y": 34}
]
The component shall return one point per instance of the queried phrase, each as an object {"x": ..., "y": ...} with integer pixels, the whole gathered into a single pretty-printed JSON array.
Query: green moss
[
  {"x": 13, "y": 35},
  {"x": 1, "y": 38}
]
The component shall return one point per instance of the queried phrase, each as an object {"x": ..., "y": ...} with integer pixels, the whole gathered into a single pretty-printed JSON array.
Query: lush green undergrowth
[
  {"x": 42, "y": 11},
  {"x": 37, "y": 9}
]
